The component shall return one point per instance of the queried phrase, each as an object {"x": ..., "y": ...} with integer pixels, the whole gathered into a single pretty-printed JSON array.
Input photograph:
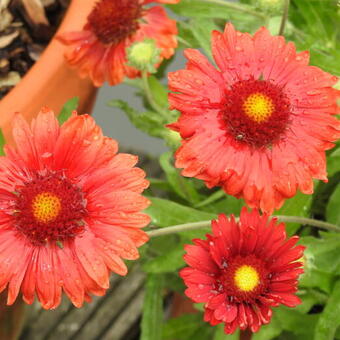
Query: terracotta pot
[{"x": 51, "y": 82}]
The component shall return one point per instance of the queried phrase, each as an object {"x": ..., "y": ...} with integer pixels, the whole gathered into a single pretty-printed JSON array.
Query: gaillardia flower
[
  {"x": 99, "y": 50},
  {"x": 260, "y": 124},
  {"x": 242, "y": 270},
  {"x": 70, "y": 210}
]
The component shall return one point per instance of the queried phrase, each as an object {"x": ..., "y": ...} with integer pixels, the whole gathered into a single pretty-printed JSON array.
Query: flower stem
[
  {"x": 149, "y": 96},
  {"x": 205, "y": 224},
  {"x": 284, "y": 17},
  {"x": 237, "y": 7}
]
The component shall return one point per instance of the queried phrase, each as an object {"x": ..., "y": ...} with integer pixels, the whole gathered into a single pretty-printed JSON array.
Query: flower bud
[{"x": 144, "y": 55}]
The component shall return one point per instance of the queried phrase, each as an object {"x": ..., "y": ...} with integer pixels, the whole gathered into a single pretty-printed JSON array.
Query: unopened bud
[{"x": 144, "y": 55}]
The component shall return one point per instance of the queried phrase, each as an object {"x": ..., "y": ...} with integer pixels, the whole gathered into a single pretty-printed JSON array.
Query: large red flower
[
  {"x": 259, "y": 125},
  {"x": 69, "y": 210},
  {"x": 242, "y": 270},
  {"x": 99, "y": 51}
]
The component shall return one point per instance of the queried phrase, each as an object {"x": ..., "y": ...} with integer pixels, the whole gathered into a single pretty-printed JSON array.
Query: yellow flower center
[
  {"x": 258, "y": 107},
  {"x": 246, "y": 278},
  {"x": 46, "y": 207}
]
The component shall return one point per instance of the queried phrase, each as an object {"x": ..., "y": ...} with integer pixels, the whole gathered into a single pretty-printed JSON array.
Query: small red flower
[
  {"x": 242, "y": 270},
  {"x": 69, "y": 210},
  {"x": 260, "y": 124},
  {"x": 99, "y": 50}
]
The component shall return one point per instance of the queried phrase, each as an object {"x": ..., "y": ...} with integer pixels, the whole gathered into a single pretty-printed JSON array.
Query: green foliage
[
  {"x": 317, "y": 29},
  {"x": 152, "y": 319},
  {"x": 2, "y": 143},
  {"x": 201, "y": 29},
  {"x": 187, "y": 327},
  {"x": 149, "y": 122},
  {"x": 181, "y": 185},
  {"x": 67, "y": 110},
  {"x": 333, "y": 208},
  {"x": 329, "y": 319},
  {"x": 165, "y": 213},
  {"x": 296, "y": 206}
]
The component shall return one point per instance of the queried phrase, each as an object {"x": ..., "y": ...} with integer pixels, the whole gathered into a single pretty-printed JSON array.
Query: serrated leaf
[
  {"x": 2, "y": 143},
  {"x": 329, "y": 319},
  {"x": 201, "y": 29},
  {"x": 149, "y": 122},
  {"x": 67, "y": 109},
  {"x": 181, "y": 185},
  {"x": 152, "y": 318}
]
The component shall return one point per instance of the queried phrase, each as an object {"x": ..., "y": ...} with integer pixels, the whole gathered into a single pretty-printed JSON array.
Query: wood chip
[
  {"x": 35, "y": 13},
  {"x": 4, "y": 66},
  {"x": 7, "y": 39},
  {"x": 34, "y": 51},
  {"x": 11, "y": 79},
  {"x": 4, "y": 4},
  {"x": 50, "y": 5},
  {"x": 5, "y": 19}
]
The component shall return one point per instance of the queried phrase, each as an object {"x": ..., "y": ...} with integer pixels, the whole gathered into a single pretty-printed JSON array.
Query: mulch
[{"x": 26, "y": 27}]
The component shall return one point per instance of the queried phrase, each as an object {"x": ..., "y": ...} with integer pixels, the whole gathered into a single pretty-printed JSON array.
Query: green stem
[
  {"x": 237, "y": 7},
  {"x": 205, "y": 224},
  {"x": 284, "y": 17},
  {"x": 149, "y": 96}
]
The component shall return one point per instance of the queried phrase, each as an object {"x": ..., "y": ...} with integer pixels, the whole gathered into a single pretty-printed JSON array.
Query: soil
[{"x": 26, "y": 27}]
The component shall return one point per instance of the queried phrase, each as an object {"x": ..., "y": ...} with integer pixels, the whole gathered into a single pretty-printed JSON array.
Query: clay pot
[{"x": 51, "y": 82}]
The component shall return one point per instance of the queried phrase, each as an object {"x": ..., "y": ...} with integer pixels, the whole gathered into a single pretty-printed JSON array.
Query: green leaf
[
  {"x": 333, "y": 211},
  {"x": 183, "y": 327},
  {"x": 201, "y": 29},
  {"x": 165, "y": 213},
  {"x": 268, "y": 332},
  {"x": 329, "y": 319},
  {"x": 207, "y": 9},
  {"x": 300, "y": 324},
  {"x": 170, "y": 261},
  {"x": 159, "y": 92},
  {"x": 181, "y": 185},
  {"x": 152, "y": 318},
  {"x": 322, "y": 253},
  {"x": 2, "y": 143},
  {"x": 220, "y": 335},
  {"x": 67, "y": 110},
  {"x": 296, "y": 206},
  {"x": 333, "y": 162},
  {"x": 149, "y": 122}
]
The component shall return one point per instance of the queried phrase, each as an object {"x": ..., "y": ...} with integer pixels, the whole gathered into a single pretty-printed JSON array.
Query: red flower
[
  {"x": 242, "y": 270},
  {"x": 260, "y": 124},
  {"x": 99, "y": 51},
  {"x": 69, "y": 210}
]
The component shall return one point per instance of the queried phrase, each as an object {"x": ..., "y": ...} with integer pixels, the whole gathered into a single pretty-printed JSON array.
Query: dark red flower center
[
  {"x": 112, "y": 21},
  {"x": 244, "y": 278},
  {"x": 49, "y": 208},
  {"x": 256, "y": 112}
]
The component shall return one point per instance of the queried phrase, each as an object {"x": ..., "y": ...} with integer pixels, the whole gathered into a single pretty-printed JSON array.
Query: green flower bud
[{"x": 144, "y": 55}]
